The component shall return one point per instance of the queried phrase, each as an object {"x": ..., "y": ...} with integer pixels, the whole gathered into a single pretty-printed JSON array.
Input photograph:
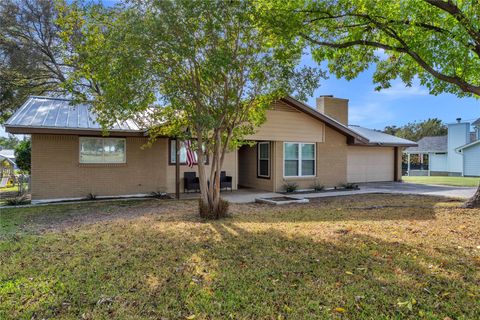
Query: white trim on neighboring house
[
  {"x": 468, "y": 145},
  {"x": 300, "y": 160}
]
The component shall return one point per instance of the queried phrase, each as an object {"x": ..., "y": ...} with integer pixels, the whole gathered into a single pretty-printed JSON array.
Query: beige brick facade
[{"x": 57, "y": 173}]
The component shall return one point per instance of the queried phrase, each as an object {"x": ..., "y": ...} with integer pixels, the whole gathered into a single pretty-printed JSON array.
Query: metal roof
[
  {"x": 7, "y": 153},
  {"x": 430, "y": 144},
  {"x": 379, "y": 138},
  {"x": 55, "y": 113}
]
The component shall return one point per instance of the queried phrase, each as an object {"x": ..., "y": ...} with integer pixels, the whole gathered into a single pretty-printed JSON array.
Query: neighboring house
[
  {"x": 71, "y": 159},
  {"x": 8, "y": 154},
  {"x": 7, "y": 165},
  {"x": 456, "y": 154}
]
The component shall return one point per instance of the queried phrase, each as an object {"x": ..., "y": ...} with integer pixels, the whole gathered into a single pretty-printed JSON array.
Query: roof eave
[{"x": 70, "y": 131}]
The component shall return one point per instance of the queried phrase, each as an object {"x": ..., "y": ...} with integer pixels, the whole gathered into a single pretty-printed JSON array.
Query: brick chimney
[{"x": 336, "y": 108}]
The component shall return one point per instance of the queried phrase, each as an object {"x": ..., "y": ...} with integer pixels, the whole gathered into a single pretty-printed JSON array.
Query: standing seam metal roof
[
  {"x": 57, "y": 113},
  {"x": 380, "y": 138}
]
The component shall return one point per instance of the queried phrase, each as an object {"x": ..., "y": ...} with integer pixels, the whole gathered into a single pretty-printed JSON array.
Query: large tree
[
  {"x": 33, "y": 58},
  {"x": 415, "y": 131},
  {"x": 205, "y": 62},
  {"x": 436, "y": 41}
]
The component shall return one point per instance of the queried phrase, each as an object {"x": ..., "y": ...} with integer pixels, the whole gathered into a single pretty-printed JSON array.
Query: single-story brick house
[{"x": 71, "y": 159}]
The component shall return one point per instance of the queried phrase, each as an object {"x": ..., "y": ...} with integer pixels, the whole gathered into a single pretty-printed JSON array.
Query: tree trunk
[
  {"x": 211, "y": 205},
  {"x": 473, "y": 202}
]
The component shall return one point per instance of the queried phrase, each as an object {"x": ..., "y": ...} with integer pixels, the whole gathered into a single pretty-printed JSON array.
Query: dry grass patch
[{"x": 358, "y": 257}]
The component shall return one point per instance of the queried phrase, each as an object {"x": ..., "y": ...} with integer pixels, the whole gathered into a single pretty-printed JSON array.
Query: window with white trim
[
  {"x": 102, "y": 150},
  {"x": 263, "y": 158},
  {"x": 183, "y": 153},
  {"x": 299, "y": 159}
]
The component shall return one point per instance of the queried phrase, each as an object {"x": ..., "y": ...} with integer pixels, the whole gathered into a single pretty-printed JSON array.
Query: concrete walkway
[{"x": 249, "y": 195}]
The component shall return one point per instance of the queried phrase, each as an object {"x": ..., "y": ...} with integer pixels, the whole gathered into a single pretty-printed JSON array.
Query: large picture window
[
  {"x": 263, "y": 154},
  {"x": 102, "y": 150},
  {"x": 299, "y": 159}
]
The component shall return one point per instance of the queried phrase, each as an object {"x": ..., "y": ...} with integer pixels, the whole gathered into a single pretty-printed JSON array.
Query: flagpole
[{"x": 177, "y": 168}]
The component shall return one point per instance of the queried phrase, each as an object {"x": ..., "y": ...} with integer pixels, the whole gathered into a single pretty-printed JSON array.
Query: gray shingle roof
[
  {"x": 476, "y": 122},
  {"x": 430, "y": 144},
  {"x": 380, "y": 138},
  {"x": 56, "y": 113}
]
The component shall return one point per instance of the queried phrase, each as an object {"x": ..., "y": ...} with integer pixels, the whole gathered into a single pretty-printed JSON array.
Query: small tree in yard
[
  {"x": 205, "y": 61},
  {"x": 436, "y": 41},
  {"x": 23, "y": 152}
]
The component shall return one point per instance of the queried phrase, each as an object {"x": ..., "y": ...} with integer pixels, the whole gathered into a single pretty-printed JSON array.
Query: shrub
[
  {"x": 207, "y": 212},
  {"x": 160, "y": 195},
  {"x": 350, "y": 186},
  {"x": 17, "y": 201},
  {"x": 91, "y": 196},
  {"x": 317, "y": 186},
  {"x": 290, "y": 187}
]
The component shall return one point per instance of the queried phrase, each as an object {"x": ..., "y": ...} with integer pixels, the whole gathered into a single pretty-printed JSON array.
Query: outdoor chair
[
  {"x": 225, "y": 181},
  {"x": 190, "y": 182}
]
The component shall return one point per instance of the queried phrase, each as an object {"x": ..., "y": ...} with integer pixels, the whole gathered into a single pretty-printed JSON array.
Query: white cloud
[
  {"x": 370, "y": 113},
  {"x": 398, "y": 90}
]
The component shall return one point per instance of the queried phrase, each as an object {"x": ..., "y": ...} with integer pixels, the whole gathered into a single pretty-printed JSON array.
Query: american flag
[{"x": 191, "y": 156}]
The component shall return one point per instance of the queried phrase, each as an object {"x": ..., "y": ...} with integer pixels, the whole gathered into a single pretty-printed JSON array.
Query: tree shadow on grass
[
  {"x": 348, "y": 208},
  {"x": 222, "y": 269}
]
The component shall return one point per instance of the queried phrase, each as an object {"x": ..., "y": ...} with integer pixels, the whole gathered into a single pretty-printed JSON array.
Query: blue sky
[{"x": 397, "y": 105}]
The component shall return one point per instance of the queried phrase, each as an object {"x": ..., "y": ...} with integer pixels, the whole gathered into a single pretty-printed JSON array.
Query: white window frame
[
  {"x": 300, "y": 144},
  {"x": 268, "y": 159},
  {"x": 103, "y": 156}
]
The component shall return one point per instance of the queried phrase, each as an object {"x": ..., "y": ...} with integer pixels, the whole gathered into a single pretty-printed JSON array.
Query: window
[
  {"x": 183, "y": 153},
  {"x": 102, "y": 150},
  {"x": 299, "y": 159},
  {"x": 263, "y": 155}
]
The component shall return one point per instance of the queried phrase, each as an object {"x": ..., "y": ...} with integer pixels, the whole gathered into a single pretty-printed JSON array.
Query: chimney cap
[
  {"x": 459, "y": 120},
  {"x": 326, "y": 95}
]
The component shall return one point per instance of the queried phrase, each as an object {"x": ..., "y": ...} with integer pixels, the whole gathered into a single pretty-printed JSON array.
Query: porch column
[
  {"x": 408, "y": 163},
  {"x": 177, "y": 168},
  {"x": 429, "y": 164}
]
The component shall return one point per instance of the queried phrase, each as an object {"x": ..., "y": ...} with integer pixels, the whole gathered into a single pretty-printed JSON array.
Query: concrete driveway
[
  {"x": 249, "y": 195},
  {"x": 421, "y": 189}
]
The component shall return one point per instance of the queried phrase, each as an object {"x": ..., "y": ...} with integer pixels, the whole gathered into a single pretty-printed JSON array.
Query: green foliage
[
  {"x": 9, "y": 142},
  {"x": 436, "y": 41},
  {"x": 23, "y": 155},
  {"x": 210, "y": 73},
  {"x": 290, "y": 187},
  {"x": 30, "y": 48},
  {"x": 414, "y": 131}
]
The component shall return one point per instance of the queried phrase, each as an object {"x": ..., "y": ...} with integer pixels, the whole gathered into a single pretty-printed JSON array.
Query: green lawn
[
  {"x": 449, "y": 181},
  {"x": 358, "y": 257},
  {"x": 8, "y": 189}
]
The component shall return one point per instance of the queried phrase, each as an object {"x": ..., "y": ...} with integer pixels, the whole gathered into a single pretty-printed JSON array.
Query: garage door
[{"x": 370, "y": 164}]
